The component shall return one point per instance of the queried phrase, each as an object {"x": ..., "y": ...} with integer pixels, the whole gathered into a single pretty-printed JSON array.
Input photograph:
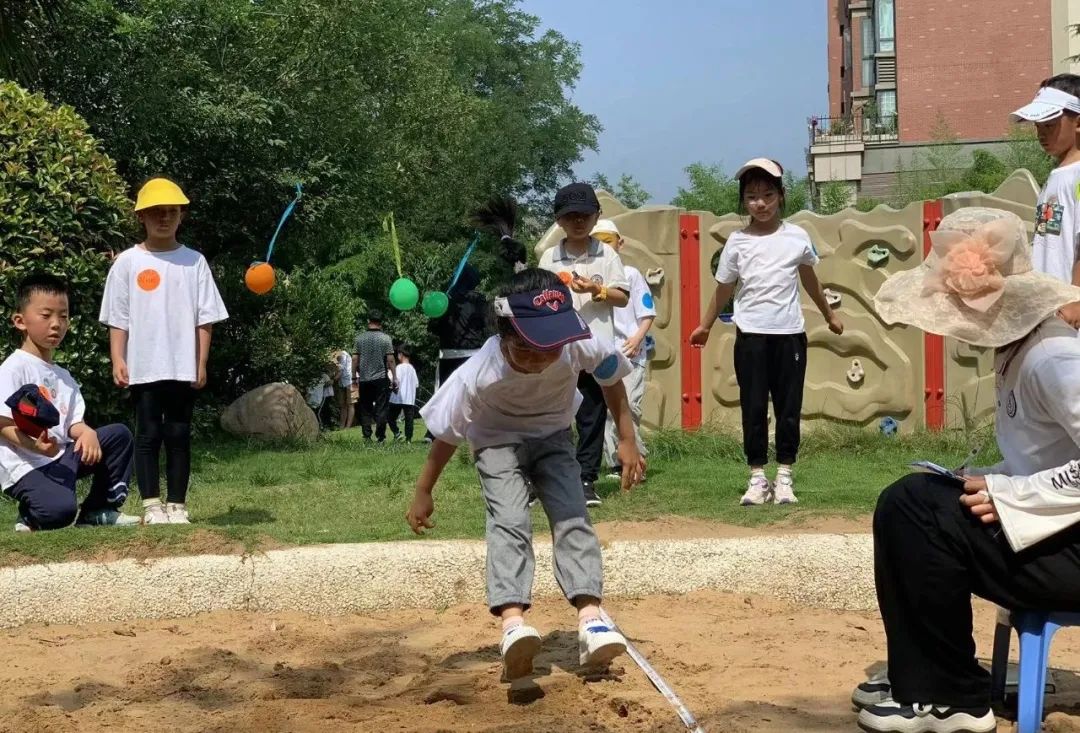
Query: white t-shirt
[
  {"x": 487, "y": 402},
  {"x": 1037, "y": 426},
  {"x": 601, "y": 264},
  {"x": 1057, "y": 226},
  {"x": 407, "y": 383},
  {"x": 160, "y": 298},
  {"x": 22, "y": 368},
  {"x": 767, "y": 269},
  {"x": 344, "y": 365},
  {"x": 640, "y": 306}
]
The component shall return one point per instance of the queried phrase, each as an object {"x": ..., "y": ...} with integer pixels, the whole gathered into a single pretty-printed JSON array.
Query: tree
[
  {"x": 17, "y": 20},
  {"x": 62, "y": 210},
  {"x": 627, "y": 190},
  {"x": 835, "y": 197},
  {"x": 711, "y": 189}
]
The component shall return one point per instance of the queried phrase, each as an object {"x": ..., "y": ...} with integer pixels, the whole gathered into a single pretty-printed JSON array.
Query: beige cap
[
  {"x": 606, "y": 226},
  {"x": 769, "y": 166}
]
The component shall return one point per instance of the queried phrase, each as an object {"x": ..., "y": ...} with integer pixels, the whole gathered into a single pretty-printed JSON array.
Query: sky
[{"x": 674, "y": 82}]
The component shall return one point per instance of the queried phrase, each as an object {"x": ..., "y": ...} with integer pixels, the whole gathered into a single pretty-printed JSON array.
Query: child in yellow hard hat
[{"x": 160, "y": 304}]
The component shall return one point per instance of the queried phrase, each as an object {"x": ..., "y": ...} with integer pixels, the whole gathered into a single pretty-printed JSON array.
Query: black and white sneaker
[
  {"x": 893, "y": 717},
  {"x": 874, "y": 691},
  {"x": 591, "y": 497}
]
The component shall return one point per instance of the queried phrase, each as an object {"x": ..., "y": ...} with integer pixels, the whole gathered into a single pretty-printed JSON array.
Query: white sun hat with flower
[{"x": 977, "y": 285}]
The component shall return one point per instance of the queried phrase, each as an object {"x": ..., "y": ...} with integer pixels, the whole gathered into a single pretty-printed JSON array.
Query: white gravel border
[{"x": 825, "y": 570}]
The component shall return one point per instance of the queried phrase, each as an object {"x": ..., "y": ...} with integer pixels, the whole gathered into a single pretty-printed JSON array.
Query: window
[
  {"x": 884, "y": 14},
  {"x": 867, "y": 53},
  {"x": 886, "y": 105}
]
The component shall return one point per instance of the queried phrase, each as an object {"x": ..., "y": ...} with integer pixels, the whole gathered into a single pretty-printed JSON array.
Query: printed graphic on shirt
[
  {"x": 607, "y": 367},
  {"x": 1010, "y": 404},
  {"x": 148, "y": 280},
  {"x": 1048, "y": 218},
  {"x": 566, "y": 277},
  {"x": 598, "y": 279},
  {"x": 647, "y": 300}
]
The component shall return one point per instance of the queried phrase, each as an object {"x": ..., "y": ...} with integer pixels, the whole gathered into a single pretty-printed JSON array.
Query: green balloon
[
  {"x": 435, "y": 304},
  {"x": 404, "y": 295}
]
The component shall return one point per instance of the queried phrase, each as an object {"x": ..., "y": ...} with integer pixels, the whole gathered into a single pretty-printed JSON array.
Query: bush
[
  {"x": 63, "y": 210},
  {"x": 285, "y": 336}
]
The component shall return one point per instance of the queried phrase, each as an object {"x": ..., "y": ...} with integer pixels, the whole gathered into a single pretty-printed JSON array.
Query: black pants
[
  {"x": 163, "y": 415},
  {"x": 770, "y": 364},
  {"x": 930, "y": 555},
  {"x": 46, "y": 495},
  {"x": 374, "y": 407},
  {"x": 591, "y": 420},
  {"x": 409, "y": 411}
]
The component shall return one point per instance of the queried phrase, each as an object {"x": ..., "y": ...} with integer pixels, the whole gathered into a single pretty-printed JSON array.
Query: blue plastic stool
[{"x": 1036, "y": 631}]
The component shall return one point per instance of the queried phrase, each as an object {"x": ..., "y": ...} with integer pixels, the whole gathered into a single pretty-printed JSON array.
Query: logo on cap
[{"x": 553, "y": 299}]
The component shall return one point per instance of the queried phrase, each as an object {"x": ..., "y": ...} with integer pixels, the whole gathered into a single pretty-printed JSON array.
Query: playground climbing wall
[{"x": 870, "y": 372}]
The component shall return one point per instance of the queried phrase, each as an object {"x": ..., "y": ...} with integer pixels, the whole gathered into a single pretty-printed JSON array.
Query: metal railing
[{"x": 856, "y": 127}]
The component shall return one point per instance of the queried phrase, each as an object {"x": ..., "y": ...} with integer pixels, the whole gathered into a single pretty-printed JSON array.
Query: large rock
[{"x": 274, "y": 410}]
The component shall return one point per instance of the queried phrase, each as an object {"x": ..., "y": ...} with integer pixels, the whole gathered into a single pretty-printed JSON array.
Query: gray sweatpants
[
  {"x": 635, "y": 395},
  {"x": 550, "y": 465}
]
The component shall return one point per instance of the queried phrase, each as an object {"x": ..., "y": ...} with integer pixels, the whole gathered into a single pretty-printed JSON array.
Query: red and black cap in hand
[{"x": 33, "y": 412}]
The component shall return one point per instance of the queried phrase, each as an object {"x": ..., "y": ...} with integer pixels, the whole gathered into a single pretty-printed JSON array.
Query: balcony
[{"x": 854, "y": 130}]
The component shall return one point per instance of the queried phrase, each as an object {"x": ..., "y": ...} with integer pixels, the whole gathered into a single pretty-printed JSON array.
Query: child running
[
  {"x": 767, "y": 259},
  {"x": 160, "y": 304},
  {"x": 513, "y": 403}
]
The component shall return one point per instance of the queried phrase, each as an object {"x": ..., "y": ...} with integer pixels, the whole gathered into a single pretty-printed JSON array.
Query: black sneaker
[
  {"x": 892, "y": 717},
  {"x": 874, "y": 691},
  {"x": 591, "y": 498}
]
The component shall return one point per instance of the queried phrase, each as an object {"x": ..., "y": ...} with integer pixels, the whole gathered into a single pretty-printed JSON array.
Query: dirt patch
[
  {"x": 742, "y": 664},
  {"x": 686, "y": 528}
]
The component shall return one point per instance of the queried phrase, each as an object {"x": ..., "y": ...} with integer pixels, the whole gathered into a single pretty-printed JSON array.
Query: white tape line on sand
[{"x": 832, "y": 571}]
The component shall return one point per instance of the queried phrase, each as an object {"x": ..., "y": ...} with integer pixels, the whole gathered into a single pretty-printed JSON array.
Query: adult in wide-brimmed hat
[{"x": 1008, "y": 533}]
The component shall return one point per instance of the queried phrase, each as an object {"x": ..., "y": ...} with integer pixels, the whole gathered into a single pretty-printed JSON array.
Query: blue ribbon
[
  {"x": 281, "y": 223},
  {"x": 464, "y": 260}
]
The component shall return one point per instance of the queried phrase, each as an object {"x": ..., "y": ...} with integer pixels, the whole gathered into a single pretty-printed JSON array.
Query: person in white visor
[{"x": 1056, "y": 114}]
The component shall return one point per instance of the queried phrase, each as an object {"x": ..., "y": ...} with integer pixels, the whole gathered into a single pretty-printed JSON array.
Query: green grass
[{"x": 250, "y": 496}]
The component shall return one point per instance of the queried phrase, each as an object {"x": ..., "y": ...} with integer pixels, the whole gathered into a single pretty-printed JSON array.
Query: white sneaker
[
  {"x": 758, "y": 491},
  {"x": 155, "y": 515},
  {"x": 598, "y": 644},
  {"x": 784, "y": 489},
  {"x": 22, "y": 527},
  {"x": 518, "y": 647},
  {"x": 894, "y": 717},
  {"x": 177, "y": 513},
  {"x": 874, "y": 691}
]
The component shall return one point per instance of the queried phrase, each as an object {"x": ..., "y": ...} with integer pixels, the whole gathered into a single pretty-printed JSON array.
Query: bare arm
[
  {"x": 1076, "y": 273},
  {"x": 618, "y": 298},
  {"x": 817, "y": 294},
  {"x": 423, "y": 505},
  {"x": 118, "y": 339},
  {"x": 43, "y": 445},
  {"x": 203, "y": 336},
  {"x": 720, "y": 297}
]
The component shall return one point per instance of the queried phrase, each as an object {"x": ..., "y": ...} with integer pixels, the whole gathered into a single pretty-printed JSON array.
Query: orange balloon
[
  {"x": 259, "y": 278},
  {"x": 566, "y": 278}
]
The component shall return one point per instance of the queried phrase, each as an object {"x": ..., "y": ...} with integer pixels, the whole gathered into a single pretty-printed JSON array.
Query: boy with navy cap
[
  {"x": 513, "y": 403},
  {"x": 594, "y": 272},
  {"x": 45, "y": 444}
]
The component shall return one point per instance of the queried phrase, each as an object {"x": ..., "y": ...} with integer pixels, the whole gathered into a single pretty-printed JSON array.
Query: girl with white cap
[
  {"x": 1009, "y": 533},
  {"x": 767, "y": 259}
]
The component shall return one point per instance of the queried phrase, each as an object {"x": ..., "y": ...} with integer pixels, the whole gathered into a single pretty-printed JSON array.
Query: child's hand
[
  {"x": 633, "y": 465},
  {"x": 88, "y": 447},
  {"x": 46, "y": 446},
  {"x": 699, "y": 337},
  {"x": 835, "y": 324},
  {"x": 977, "y": 500},
  {"x": 200, "y": 380},
  {"x": 120, "y": 373},
  {"x": 1070, "y": 314},
  {"x": 582, "y": 285},
  {"x": 419, "y": 514}
]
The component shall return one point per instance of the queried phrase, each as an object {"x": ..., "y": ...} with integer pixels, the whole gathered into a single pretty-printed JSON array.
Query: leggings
[{"x": 163, "y": 415}]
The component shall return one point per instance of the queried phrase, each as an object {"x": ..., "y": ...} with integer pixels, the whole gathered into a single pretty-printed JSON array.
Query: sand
[{"x": 740, "y": 663}]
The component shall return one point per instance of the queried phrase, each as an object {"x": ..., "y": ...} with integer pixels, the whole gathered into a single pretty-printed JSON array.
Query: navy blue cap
[
  {"x": 545, "y": 319},
  {"x": 33, "y": 412},
  {"x": 576, "y": 198}
]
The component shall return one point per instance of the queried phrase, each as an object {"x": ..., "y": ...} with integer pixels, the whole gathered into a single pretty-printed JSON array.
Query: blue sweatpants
[{"x": 46, "y": 495}]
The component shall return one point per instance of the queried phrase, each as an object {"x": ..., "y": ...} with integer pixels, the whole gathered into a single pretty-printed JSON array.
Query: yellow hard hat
[{"x": 160, "y": 192}]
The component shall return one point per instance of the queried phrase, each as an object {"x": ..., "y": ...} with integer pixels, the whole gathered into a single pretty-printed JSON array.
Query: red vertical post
[
  {"x": 933, "y": 346},
  {"x": 690, "y": 317}
]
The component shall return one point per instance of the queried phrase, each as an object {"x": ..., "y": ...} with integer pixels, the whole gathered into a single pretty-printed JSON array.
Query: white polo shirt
[
  {"x": 640, "y": 306},
  {"x": 601, "y": 264}
]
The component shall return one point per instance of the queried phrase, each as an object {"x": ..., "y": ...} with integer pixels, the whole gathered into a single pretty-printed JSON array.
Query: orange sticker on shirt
[
  {"x": 566, "y": 277},
  {"x": 148, "y": 280}
]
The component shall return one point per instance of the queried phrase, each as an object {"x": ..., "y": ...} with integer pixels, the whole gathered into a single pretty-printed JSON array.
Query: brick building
[{"x": 897, "y": 68}]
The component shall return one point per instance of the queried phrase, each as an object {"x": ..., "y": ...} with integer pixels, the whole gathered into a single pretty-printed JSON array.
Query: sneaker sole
[
  {"x": 518, "y": 660},
  {"x": 786, "y": 501},
  {"x": 876, "y": 695},
  {"x": 603, "y": 655},
  {"x": 961, "y": 723},
  {"x": 592, "y": 502}
]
